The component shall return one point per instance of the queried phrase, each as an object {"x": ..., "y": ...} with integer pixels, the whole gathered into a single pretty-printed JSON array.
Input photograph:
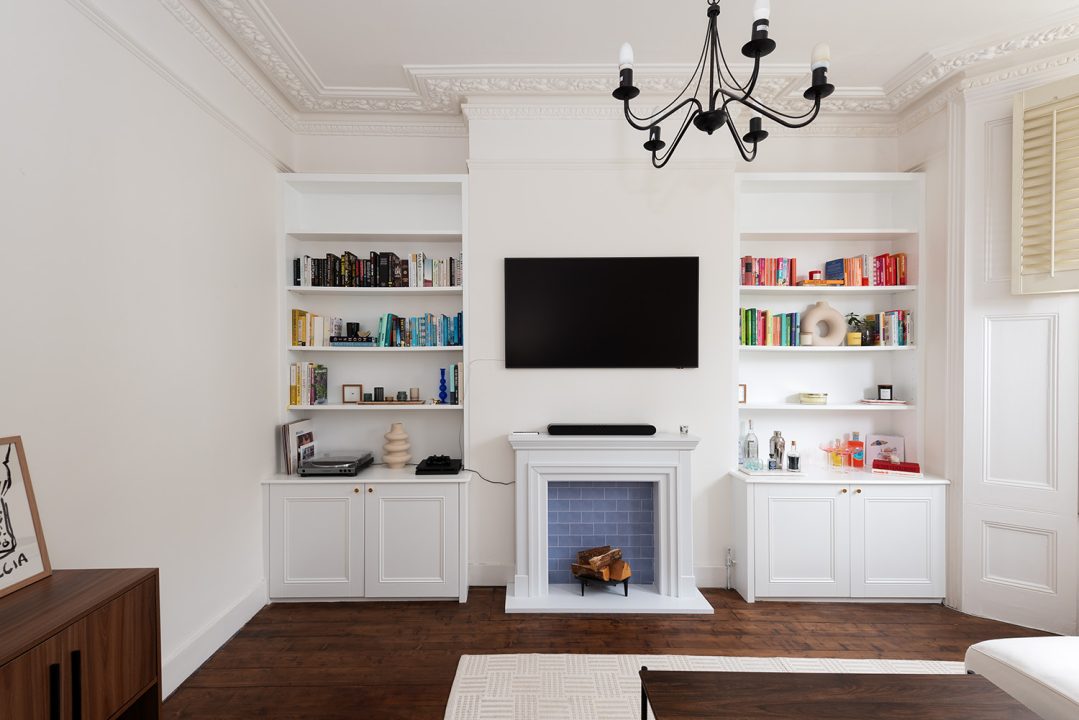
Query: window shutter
[{"x": 1045, "y": 190}]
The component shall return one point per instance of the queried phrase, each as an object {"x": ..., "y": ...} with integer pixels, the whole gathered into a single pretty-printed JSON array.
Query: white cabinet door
[
  {"x": 413, "y": 540},
  {"x": 316, "y": 541},
  {"x": 897, "y": 540},
  {"x": 802, "y": 535}
]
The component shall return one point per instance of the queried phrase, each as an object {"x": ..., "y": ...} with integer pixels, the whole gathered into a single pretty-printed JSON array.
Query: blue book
[{"x": 833, "y": 270}]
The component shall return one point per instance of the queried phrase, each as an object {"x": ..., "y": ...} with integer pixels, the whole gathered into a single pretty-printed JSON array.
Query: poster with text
[{"x": 23, "y": 557}]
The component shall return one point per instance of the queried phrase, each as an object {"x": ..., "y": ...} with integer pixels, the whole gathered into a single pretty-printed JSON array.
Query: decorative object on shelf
[
  {"x": 855, "y": 329},
  {"x": 23, "y": 556},
  {"x": 839, "y": 455},
  {"x": 889, "y": 448},
  {"x": 402, "y": 396},
  {"x": 414, "y": 394},
  {"x": 380, "y": 394},
  {"x": 815, "y": 275},
  {"x": 395, "y": 452},
  {"x": 776, "y": 446},
  {"x": 812, "y": 398},
  {"x": 884, "y": 392},
  {"x": 723, "y": 90},
  {"x": 824, "y": 314},
  {"x": 793, "y": 458},
  {"x": 368, "y": 397},
  {"x": 351, "y": 394},
  {"x": 683, "y": 429},
  {"x": 742, "y": 394},
  {"x": 805, "y": 339},
  {"x": 857, "y": 451},
  {"x": 442, "y": 394}
]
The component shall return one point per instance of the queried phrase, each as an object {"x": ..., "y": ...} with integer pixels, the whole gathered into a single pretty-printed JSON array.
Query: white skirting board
[{"x": 186, "y": 660}]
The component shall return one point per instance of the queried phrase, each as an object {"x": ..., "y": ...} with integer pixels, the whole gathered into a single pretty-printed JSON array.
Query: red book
[{"x": 906, "y": 467}]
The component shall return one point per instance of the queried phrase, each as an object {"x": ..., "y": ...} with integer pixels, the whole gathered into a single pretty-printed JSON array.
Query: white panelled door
[{"x": 1021, "y": 409}]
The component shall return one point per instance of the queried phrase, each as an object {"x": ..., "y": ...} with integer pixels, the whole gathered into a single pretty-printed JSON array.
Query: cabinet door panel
[
  {"x": 802, "y": 535},
  {"x": 412, "y": 547},
  {"x": 26, "y": 689},
  {"x": 316, "y": 541},
  {"x": 897, "y": 541},
  {"x": 119, "y": 651}
]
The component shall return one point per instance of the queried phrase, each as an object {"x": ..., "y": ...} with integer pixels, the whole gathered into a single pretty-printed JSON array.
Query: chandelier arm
[
  {"x": 672, "y": 111},
  {"x": 748, "y": 157},
  {"x": 659, "y": 162},
  {"x": 791, "y": 121},
  {"x": 732, "y": 83},
  {"x": 682, "y": 92}
]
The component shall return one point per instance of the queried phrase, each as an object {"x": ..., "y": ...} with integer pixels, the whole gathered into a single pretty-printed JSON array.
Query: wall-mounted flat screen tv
[{"x": 618, "y": 312}]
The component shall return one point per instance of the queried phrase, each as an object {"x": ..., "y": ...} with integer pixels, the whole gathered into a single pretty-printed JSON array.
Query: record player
[{"x": 349, "y": 465}]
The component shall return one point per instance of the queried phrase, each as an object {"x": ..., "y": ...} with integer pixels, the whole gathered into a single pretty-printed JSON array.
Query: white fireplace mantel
[{"x": 663, "y": 460}]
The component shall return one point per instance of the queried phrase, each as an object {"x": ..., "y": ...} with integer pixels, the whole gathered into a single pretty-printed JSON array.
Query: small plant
[{"x": 854, "y": 322}]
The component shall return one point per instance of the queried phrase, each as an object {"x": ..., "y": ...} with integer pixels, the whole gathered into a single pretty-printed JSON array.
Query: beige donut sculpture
[{"x": 835, "y": 323}]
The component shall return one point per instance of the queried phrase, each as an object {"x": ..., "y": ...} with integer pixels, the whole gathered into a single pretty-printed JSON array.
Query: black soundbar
[{"x": 605, "y": 429}]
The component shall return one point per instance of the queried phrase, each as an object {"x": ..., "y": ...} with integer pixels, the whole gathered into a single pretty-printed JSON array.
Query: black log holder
[{"x": 589, "y": 580}]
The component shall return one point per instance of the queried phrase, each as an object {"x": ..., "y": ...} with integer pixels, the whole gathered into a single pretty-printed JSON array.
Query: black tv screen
[{"x": 623, "y": 312}]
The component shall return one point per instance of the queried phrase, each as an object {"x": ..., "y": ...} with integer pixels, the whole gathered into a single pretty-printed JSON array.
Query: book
[
  {"x": 378, "y": 269},
  {"x": 763, "y": 328},
  {"x": 295, "y": 434},
  {"x": 779, "y": 272}
]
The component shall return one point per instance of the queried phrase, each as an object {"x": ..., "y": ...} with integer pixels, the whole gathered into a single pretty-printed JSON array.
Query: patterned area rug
[{"x": 606, "y": 687}]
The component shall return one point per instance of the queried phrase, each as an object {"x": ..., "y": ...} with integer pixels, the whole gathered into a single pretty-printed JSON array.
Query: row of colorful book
[
  {"x": 763, "y": 327},
  {"x": 423, "y": 331},
  {"x": 378, "y": 269},
  {"x": 891, "y": 328},
  {"x": 780, "y": 272},
  {"x": 455, "y": 384},
  {"x": 880, "y": 271},
  {"x": 308, "y": 384}
]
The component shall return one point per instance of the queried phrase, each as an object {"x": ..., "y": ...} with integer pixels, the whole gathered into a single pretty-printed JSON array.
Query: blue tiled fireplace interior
[{"x": 582, "y": 515}]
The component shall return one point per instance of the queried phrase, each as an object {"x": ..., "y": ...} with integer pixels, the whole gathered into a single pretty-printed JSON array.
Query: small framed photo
[
  {"x": 742, "y": 394},
  {"x": 23, "y": 557},
  {"x": 351, "y": 394}
]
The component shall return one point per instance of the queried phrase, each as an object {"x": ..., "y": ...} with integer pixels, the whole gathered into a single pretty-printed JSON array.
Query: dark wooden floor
[{"x": 397, "y": 660}]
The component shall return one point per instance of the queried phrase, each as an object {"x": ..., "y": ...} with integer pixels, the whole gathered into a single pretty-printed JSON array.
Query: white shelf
[
  {"x": 813, "y": 349},
  {"x": 843, "y": 234},
  {"x": 351, "y": 407},
  {"x": 371, "y": 474},
  {"x": 845, "y": 407},
  {"x": 818, "y": 475},
  {"x": 448, "y": 348},
  {"x": 375, "y": 291},
  {"x": 386, "y": 236},
  {"x": 827, "y": 290}
]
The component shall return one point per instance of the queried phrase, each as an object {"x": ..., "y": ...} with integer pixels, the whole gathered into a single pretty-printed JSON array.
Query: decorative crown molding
[{"x": 432, "y": 101}]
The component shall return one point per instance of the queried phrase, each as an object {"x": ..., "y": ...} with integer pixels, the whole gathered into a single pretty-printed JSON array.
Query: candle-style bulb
[
  {"x": 762, "y": 10},
  {"x": 625, "y": 56},
  {"x": 822, "y": 56}
]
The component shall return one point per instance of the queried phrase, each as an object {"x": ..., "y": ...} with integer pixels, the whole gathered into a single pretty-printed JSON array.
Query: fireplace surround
[{"x": 663, "y": 460}]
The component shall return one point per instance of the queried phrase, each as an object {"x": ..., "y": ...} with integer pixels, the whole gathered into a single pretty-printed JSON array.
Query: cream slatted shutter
[{"x": 1045, "y": 190}]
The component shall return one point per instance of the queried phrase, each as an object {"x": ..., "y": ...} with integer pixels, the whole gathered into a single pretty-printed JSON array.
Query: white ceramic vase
[
  {"x": 833, "y": 320},
  {"x": 395, "y": 451}
]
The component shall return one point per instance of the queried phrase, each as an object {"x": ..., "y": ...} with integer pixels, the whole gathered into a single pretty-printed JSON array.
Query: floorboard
[{"x": 397, "y": 659}]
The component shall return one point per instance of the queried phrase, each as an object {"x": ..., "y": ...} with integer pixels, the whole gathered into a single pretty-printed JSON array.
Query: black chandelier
[{"x": 723, "y": 90}]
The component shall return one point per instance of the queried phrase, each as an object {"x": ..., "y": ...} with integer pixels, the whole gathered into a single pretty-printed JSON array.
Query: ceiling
[{"x": 405, "y": 57}]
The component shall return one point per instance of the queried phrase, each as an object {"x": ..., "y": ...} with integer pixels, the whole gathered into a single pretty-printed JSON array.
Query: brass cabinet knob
[
  {"x": 859, "y": 490},
  {"x": 843, "y": 491},
  {"x": 355, "y": 490},
  {"x": 370, "y": 489}
]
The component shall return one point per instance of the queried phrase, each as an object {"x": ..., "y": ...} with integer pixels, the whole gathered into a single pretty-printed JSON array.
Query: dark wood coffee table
[{"x": 817, "y": 696}]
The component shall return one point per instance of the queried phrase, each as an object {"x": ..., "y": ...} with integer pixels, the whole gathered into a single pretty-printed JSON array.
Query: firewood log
[
  {"x": 600, "y": 561},
  {"x": 586, "y": 571},
  {"x": 583, "y": 556},
  {"x": 619, "y": 570}
]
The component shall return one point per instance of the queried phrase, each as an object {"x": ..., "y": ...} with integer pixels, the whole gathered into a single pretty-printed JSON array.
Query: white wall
[
  {"x": 558, "y": 182},
  {"x": 380, "y": 154},
  {"x": 137, "y": 356}
]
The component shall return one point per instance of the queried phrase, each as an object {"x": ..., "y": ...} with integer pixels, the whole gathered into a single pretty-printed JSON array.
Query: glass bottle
[
  {"x": 793, "y": 458},
  {"x": 751, "y": 443}
]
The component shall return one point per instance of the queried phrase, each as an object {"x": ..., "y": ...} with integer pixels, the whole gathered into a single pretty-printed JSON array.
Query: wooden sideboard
[{"x": 82, "y": 645}]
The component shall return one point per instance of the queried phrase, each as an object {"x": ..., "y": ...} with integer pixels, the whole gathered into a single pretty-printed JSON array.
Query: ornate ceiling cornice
[{"x": 431, "y": 103}]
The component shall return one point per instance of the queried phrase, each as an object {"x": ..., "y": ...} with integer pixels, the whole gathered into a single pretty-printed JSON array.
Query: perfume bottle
[
  {"x": 776, "y": 446},
  {"x": 751, "y": 443},
  {"x": 837, "y": 453},
  {"x": 793, "y": 458}
]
